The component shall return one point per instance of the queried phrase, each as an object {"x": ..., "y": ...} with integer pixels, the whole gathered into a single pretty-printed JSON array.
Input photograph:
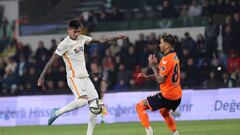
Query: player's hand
[
  {"x": 40, "y": 82},
  {"x": 142, "y": 75},
  {"x": 121, "y": 36},
  {"x": 152, "y": 59}
]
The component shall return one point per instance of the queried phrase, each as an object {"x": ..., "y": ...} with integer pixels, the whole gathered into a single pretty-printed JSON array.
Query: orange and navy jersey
[{"x": 169, "y": 67}]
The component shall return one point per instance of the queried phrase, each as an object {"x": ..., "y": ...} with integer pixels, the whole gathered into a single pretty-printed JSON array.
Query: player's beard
[{"x": 162, "y": 49}]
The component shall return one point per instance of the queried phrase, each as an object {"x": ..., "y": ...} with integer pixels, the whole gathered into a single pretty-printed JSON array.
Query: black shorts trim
[{"x": 157, "y": 101}]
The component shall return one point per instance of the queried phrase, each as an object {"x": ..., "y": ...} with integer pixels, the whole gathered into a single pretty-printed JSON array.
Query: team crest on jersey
[
  {"x": 59, "y": 49},
  {"x": 78, "y": 50},
  {"x": 163, "y": 68}
]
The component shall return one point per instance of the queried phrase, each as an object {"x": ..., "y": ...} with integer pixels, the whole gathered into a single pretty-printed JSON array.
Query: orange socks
[
  {"x": 143, "y": 116},
  {"x": 168, "y": 119}
]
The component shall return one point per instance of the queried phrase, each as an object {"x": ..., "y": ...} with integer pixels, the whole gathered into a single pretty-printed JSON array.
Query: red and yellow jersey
[{"x": 169, "y": 67}]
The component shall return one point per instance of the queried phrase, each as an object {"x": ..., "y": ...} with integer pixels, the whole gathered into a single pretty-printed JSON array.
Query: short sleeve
[
  {"x": 87, "y": 39},
  {"x": 62, "y": 48},
  {"x": 165, "y": 67}
]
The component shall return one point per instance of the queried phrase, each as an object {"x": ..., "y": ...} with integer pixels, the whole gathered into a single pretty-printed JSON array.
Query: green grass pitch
[{"x": 211, "y": 127}]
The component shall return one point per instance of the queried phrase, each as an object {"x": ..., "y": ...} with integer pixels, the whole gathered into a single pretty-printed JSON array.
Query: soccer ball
[{"x": 96, "y": 106}]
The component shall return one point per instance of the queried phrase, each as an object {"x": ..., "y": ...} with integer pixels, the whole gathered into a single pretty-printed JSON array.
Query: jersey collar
[
  {"x": 171, "y": 51},
  {"x": 73, "y": 41}
]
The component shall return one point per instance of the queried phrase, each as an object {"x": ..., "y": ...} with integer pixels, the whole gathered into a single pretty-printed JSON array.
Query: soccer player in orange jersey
[{"x": 167, "y": 74}]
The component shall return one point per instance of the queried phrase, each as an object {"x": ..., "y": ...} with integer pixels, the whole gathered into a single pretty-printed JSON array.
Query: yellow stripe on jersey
[
  {"x": 69, "y": 64},
  {"x": 75, "y": 87}
]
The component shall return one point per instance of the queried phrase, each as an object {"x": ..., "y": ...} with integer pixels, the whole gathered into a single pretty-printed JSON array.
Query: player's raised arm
[
  {"x": 48, "y": 65},
  {"x": 153, "y": 62},
  {"x": 103, "y": 40}
]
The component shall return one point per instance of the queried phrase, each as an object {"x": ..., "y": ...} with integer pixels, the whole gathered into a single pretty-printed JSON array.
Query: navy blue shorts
[{"x": 157, "y": 101}]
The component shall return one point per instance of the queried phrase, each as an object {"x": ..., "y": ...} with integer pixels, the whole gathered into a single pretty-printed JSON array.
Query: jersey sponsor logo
[{"x": 78, "y": 50}]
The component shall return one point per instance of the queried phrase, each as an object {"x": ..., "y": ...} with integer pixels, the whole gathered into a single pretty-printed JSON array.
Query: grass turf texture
[{"x": 211, "y": 127}]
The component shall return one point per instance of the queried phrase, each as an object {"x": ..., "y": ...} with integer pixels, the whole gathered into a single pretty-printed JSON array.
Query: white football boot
[
  {"x": 149, "y": 131},
  {"x": 175, "y": 133}
]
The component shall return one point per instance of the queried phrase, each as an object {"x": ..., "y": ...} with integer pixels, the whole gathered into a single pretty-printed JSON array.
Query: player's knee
[
  {"x": 165, "y": 113},
  {"x": 138, "y": 107}
]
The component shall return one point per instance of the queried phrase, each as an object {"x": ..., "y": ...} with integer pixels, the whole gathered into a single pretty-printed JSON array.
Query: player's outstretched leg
[
  {"x": 53, "y": 116},
  {"x": 169, "y": 120},
  {"x": 143, "y": 116},
  {"x": 91, "y": 123},
  {"x": 69, "y": 107}
]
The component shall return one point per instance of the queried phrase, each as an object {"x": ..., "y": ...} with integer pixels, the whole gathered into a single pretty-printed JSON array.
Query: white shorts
[{"x": 82, "y": 87}]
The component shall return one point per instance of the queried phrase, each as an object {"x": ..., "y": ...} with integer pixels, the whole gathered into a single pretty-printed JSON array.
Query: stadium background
[{"x": 209, "y": 54}]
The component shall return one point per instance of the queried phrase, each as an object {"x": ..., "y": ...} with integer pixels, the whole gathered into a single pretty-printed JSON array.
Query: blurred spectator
[
  {"x": 218, "y": 68},
  {"x": 168, "y": 10},
  {"x": 211, "y": 83},
  {"x": 228, "y": 22},
  {"x": 137, "y": 81},
  {"x": 221, "y": 7},
  {"x": 140, "y": 43},
  {"x": 41, "y": 51},
  {"x": 233, "y": 7},
  {"x": 229, "y": 40},
  {"x": 11, "y": 65},
  {"x": 115, "y": 48},
  {"x": 130, "y": 60},
  {"x": 23, "y": 50},
  {"x": 102, "y": 15},
  {"x": 4, "y": 42},
  {"x": 120, "y": 86},
  {"x": 204, "y": 71},
  {"x": 30, "y": 80},
  {"x": 22, "y": 67},
  {"x": 143, "y": 57},
  {"x": 123, "y": 74},
  {"x": 207, "y": 8},
  {"x": 53, "y": 47},
  {"x": 202, "y": 50},
  {"x": 230, "y": 80},
  {"x": 4, "y": 26},
  {"x": 195, "y": 9},
  {"x": 90, "y": 21},
  {"x": 125, "y": 46},
  {"x": 184, "y": 15},
  {"x": 237, "y": 29},
  {"x": 183, "y": 80},
  {"x": 211, "y": 35},
  {"x": 41, "y": 56},
  {"x": 178, "y": 46},
  {"x": 191, "y": 74},
  {"x": 61, "y": 81},
  {"x": 10, "y": 81},
  {"x": 190, "y": 44},
  {"x": 233, "y": 61},
  {"x": 116, "y": 15},
  {"x": 185, "y": 56}
]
